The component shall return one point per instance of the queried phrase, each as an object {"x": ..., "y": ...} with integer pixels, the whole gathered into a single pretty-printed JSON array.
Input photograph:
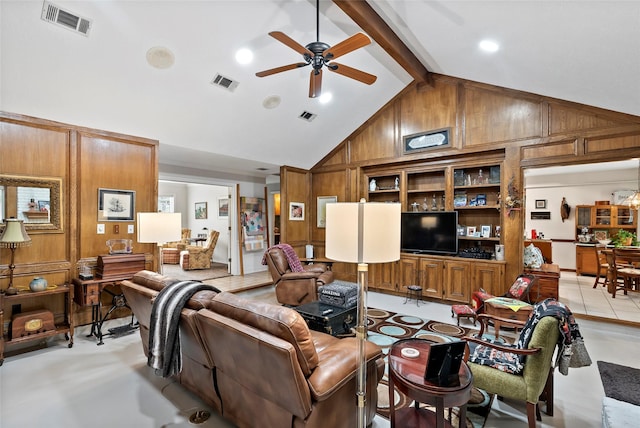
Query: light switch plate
[
  {"x": 130, "y": 228},
  {"x": 101, "y": 229}
]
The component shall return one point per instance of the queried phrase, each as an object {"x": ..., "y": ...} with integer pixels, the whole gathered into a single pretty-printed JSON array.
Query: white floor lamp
[
  {"x": 159, "y": 228},
  {"x": 362, "y": 233}
]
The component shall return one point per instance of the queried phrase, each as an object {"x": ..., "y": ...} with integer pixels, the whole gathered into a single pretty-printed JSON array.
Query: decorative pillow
[
  {"x": 533, "y": 257},
  {"x": 519, "y": 287},
  {"x": 487, "y": 356}
]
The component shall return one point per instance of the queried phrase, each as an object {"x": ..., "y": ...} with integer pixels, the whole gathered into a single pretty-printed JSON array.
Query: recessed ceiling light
[
  {"x": 489, "y": 46},
  {"x": 325, "y": 97},
  {"x": 244, "y": 56},
  {"x": 160, "y": 57},
  {"x": 271, "y": 101}
]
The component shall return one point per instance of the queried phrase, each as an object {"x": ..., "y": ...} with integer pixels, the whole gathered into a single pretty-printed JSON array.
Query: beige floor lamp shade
[{"x": 159, "y": 228}]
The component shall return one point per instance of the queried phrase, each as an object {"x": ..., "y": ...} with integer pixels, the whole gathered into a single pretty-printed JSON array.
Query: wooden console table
[
  {"x": 89, "y": 293},
  {"x": 66, "y": 327},
  {"x": 548, "y": 276}
]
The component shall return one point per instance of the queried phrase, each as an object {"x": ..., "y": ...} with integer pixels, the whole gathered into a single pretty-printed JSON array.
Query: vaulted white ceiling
[{"x": 582, "y": 51}]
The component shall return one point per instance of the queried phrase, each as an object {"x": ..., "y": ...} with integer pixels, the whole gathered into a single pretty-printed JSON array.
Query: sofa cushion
[{"x": 282, "y": 322}]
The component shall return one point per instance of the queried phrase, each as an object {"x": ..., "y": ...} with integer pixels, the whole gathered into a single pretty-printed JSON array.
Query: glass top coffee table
[{"x": 406, "y": 374}]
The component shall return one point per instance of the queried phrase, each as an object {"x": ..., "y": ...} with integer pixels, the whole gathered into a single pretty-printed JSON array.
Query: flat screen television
[{"x": 429, "y": 232}]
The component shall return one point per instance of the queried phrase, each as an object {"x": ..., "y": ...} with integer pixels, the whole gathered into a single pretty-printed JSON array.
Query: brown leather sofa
[
  {"x": 258, "y": 363},
  {"x": 295, "y": 288}
]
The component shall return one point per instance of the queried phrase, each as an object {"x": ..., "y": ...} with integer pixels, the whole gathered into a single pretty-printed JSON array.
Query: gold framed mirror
[{"x": 35, "y": 200}]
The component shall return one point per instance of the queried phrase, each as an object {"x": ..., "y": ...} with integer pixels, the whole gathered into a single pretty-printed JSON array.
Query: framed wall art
[
  {"x": 541, "y": 204},
  {"x": 201, "y": 210},
  {"x": 425, "y": 140},
  {"x": 296, "y": 211},
  {"x": 116, "y": 205},
  {"x": 166, "y": 204},
  {"x": 223, "y": 207},
  {"x": 322, "y": 209}
]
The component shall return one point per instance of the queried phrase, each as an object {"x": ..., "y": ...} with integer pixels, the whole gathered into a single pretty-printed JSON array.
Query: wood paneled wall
[
  {"x": 526, "y": 129},
  {"x": 85, "y": 160}
]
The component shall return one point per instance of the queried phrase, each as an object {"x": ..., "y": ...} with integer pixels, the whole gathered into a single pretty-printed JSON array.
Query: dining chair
[
  {"x": 626, "y": 267},
  {"x": 602, "y": 265}
]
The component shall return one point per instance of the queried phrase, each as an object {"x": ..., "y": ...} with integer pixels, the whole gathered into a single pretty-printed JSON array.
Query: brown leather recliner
[{"x": 295, "y": 288}]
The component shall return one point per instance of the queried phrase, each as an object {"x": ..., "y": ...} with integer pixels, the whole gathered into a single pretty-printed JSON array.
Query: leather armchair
[{"x": 295, "y": 288}]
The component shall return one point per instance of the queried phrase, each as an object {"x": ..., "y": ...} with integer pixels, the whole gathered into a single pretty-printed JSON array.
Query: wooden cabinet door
[
  {"x": 408, "y": 272},
  {"x": 457, "y": 281},
  {"x": 431, "y": 272},
  {"x": 488, "y": 276},
  {"x": 586, "y": 262},
  {"x": 382, "y": 276}
]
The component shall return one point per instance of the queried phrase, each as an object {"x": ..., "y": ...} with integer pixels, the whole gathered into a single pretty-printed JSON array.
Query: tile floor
[
  {"x": 111, "y": 386},
  {"x": 578, "y": 293}
]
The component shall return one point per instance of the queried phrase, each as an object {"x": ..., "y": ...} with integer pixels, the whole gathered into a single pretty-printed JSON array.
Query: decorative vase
[{"x": 38, "y": 284}]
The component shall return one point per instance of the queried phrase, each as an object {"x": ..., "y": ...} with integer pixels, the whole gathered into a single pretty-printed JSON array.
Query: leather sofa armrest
[
  {"x": 316, "y": 267},
  {"x": 299, "y": 275},
  {"x": 325, "y": 278},
  {"x": 337, "y": 365}
]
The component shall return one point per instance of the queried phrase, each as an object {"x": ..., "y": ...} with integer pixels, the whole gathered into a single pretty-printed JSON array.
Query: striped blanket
[{"x": 165, "y": 356}]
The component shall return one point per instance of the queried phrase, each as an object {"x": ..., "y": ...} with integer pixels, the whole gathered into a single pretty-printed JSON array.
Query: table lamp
[
  {"x": 13, "y": 236},
  {"x": 159, "y": 228},
  {"x": 362, "y": 233}
]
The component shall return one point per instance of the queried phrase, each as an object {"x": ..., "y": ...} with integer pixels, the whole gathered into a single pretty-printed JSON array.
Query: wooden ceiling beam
[{"x": 366, "y": 18}]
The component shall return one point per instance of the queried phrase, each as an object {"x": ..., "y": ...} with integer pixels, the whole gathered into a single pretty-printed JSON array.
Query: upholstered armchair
[
  {"x": 295, "y": 288},
  {"x": 534, "y": 382},
  {"x": 184, "y": 240},
  {"x": 519, "y": 290},
  {"x": 199, "y": 257}
]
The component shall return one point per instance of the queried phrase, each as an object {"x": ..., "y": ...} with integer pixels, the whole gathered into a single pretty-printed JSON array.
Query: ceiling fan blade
[
  {"x": 344, "y": 47},
  {"x": 280, "y": 69},
  {"x": 353, "y": 73},
  {"x": 283, "y": 38},
  {"x": 315, "y": 83}
]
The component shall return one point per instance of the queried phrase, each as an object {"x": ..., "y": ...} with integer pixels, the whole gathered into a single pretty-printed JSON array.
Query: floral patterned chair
[
  {"x": 171, "y": 250},
  {"x": 199, "y": 257}
]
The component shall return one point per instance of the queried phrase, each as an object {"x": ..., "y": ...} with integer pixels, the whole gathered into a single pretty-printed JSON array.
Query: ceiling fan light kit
[{"x": 319, "y": 54}]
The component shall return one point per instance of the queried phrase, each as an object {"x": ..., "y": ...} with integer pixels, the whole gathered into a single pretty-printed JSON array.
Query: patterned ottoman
[
  {"x": 463, "y": 311},
  {"x": 170, "y": 256}
]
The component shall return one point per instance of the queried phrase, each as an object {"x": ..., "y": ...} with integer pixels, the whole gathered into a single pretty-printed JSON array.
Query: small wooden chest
[
  {"x": 116, "y": 266},
  {"x": 33, "y": 322}
]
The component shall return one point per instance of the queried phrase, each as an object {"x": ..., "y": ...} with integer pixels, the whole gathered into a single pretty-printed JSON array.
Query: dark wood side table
[
  {"x": 548, "y": 277},
  {"x": 64, "y": 326},
  {"x": 89, "y": 293},
  {"x": 407, "y": 376}
]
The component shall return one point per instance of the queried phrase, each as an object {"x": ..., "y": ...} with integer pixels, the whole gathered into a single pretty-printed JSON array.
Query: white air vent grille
[
  {"x": 305, "y": 115},
  {"x": 63, "y": 18},
  {"x": 224, "y": 82}
]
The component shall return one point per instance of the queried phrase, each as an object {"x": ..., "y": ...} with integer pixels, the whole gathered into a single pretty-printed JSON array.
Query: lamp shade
[
  {"x": 14, "y": 234},
  {"x": 159, "y": 228},
  {"x": 360, "y": 232}
]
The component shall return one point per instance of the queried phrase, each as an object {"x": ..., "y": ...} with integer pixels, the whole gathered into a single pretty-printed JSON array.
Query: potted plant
[{"x": 624, "y": 238}]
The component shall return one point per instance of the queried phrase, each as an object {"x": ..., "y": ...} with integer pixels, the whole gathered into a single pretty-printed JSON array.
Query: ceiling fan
[{"x": 319, "y": 54}]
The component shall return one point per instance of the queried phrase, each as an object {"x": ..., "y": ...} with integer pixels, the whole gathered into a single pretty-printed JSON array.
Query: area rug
[
  {"x": 620, "y": 382},
  {"x": 218, "y": 270},
  {"x": 385, "y": 327}
]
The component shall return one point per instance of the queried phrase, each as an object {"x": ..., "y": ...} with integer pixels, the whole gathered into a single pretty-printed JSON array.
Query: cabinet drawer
[{"x": 86, "y": 295}]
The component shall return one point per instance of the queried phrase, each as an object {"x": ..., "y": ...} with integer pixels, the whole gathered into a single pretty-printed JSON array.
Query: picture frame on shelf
[
  {"x": 471, "y": 230},
  {"x": 426, "y": 140},
  {"x": 321, "y": 216},
  {"x": 296, "y": 211},
  {"x": 201, "y": 210},
  {"x": 485, "y": 231},
  {"x": 116, "y": 205}
]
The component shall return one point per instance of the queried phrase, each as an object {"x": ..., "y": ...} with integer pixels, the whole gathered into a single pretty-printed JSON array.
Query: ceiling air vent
[
  {"x": 63, "y": 18},
  {"x": 305, "y": 115},
  {"x": 224, "y": 82}
]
